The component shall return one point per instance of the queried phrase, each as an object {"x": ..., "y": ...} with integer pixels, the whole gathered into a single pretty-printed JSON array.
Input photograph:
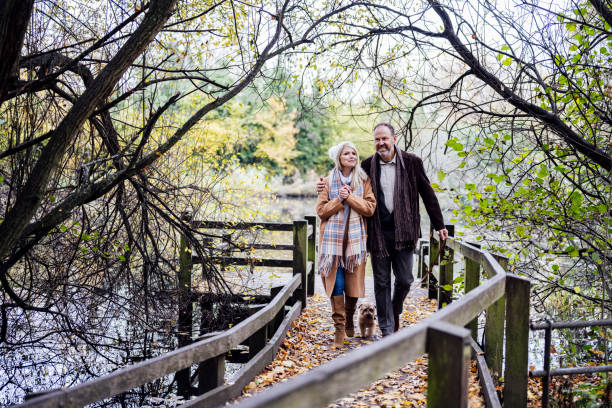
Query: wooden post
[
  {"x": 225, "y": 250},
  {"x": 424, "y": 251},
  {"x": 494, "y": 334},
  {"x": 278, "y": 320},
  {"x": 449, "y": 356},
  {"x": 445, "y": 296},
  {"x": 185, "y": 313},
  {"x": 546, "y": 376},
  {"x": 258, "y": 341},
  {"x": 300, "y": 256},
  {"x": 419, "y": 257},
  {"x": 472, "y": 280},
  {"x": 312, "y": 254},
  {"x": 516, "y": 367},
  {"x": 434, "y": 247},
  {"x": 211, "y": 374}
]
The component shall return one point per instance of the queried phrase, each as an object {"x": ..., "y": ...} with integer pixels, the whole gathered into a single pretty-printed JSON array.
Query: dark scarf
[{"x": 404, "y": 211}]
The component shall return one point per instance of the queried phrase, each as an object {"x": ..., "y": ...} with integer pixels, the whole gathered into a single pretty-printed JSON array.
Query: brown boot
[
  {"x": 396, "y": 322},
  {"x": 337, "y": 304},
  {"x": 350, "y": 303}
]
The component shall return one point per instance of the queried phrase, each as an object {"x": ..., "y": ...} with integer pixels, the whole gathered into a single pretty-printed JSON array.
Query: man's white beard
[{"x": 388, "y": 155}]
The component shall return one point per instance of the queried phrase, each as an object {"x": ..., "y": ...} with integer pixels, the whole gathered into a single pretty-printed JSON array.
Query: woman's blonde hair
[{"x": 334, "y": 154}]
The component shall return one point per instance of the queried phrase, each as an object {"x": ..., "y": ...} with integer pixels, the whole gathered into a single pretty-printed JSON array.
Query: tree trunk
[
  {"x": 30, "y": 197},
  {"x": 14, "y": 19}
]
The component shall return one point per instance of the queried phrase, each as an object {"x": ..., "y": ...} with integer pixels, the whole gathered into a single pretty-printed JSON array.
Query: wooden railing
[
  {"x": 502, "y": 296},
  {"x": 547, "y": 372},
  {"x": 263, "y": 331},
  {"x": 446, "y": 336}
]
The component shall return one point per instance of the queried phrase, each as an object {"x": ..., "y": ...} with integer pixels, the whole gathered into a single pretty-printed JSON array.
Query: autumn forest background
[{"x": 121, "y": 120}]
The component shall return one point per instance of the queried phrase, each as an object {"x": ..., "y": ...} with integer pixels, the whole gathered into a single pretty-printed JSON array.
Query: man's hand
[
  {"x": 320, "y": 185},
  {"x": 344, "y": 192},
  {"x": 443, "y": 234}
]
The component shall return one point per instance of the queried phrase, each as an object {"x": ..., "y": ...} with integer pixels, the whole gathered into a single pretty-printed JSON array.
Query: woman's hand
[
  {"x": 344, "y": 192},
  {"x": 320, "y": 185}
]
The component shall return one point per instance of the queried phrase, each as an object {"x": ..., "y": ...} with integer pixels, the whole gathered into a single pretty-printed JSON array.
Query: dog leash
[{"x": 433, "y": 261}]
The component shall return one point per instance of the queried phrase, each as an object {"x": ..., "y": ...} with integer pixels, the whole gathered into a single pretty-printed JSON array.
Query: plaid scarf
[{"x": 348, "y": 223}]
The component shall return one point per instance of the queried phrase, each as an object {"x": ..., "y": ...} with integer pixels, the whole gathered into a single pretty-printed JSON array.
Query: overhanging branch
[{"x": 573, "y": 139}]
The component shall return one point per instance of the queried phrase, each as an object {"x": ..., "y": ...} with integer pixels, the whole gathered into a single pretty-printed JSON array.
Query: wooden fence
[
  {"x": 547, "y": 372},
  {"x": 446, "y": 336},
  {"x": 262, "y": 332}
]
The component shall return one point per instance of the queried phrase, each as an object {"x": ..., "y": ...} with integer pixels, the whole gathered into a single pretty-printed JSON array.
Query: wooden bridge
[{"x": 447, "y": 336}]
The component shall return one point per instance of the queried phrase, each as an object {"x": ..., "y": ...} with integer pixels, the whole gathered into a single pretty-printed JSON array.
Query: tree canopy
[{"x": 117, "y": 117}]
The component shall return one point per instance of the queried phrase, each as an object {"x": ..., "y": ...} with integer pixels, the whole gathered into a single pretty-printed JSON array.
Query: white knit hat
[{"x": 335, "y": 151}]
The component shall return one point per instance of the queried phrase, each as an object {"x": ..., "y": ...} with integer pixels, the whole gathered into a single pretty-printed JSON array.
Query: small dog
[{"x": 367, "y": 315}]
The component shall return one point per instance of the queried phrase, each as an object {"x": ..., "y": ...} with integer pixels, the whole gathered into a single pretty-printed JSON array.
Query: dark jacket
[{"x": 405, "y": 217}]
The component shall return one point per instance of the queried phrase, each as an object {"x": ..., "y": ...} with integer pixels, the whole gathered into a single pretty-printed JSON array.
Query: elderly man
[{"x": 398, "y": 178}]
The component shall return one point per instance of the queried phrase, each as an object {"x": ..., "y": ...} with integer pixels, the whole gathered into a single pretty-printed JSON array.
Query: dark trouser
[{"x": 386, "y": 307}]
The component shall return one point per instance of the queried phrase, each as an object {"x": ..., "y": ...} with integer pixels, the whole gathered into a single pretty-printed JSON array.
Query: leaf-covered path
[{"x": 306, "y": 346}]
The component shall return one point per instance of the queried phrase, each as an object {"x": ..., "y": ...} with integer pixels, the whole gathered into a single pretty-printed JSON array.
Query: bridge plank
[
  {"x": 360, "y": 367},
  {"x": 346, "y": 374}
]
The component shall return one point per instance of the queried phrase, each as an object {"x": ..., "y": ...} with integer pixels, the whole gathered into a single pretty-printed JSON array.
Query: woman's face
[{"x": 348, "y": 158}]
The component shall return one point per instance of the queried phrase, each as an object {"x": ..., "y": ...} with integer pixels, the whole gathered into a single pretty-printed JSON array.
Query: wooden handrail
[
  {"x": 255, "y": 261},
  {"x": 141, "y": 373},
  {"x": 270, "y": 226},
  {"x": 358, "y": 368},
  {"x": 218, "y": 396},
  {"x": 471, "y": 304},
  {"x": 210, "y": 348},
  {"x": 355, "y": 369}
]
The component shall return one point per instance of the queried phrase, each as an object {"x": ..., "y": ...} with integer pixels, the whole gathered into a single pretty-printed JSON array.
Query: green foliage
[
  {"x": 313, "y": 140},
  {"x": 585, "y": 391},
  {"x": 535, "y": 193}
]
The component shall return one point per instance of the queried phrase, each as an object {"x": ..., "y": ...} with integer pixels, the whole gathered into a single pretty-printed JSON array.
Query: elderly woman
[{"x": 342, "y": 205}]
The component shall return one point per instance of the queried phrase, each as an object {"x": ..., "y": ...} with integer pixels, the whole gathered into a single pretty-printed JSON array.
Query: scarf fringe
[
  {"x": 349, "y": 264},
  {"x": 354, "y": 261},
  {"x": 325, "y": 263}
]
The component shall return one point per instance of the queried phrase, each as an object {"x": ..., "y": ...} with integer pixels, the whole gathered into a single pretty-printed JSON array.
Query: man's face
[{"x": 384, "y": 141}]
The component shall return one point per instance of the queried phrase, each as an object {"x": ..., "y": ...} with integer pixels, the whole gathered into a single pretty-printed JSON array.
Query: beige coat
[{"x": 354, "y": 285}]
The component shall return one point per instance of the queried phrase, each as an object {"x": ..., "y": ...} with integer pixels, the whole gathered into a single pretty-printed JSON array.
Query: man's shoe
[{"x": 396, "y": 323}]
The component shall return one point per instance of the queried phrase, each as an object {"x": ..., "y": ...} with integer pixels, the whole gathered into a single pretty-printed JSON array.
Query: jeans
[
  {"x": 339, "y": 285},
  {"x": 387, "y": 306}
]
